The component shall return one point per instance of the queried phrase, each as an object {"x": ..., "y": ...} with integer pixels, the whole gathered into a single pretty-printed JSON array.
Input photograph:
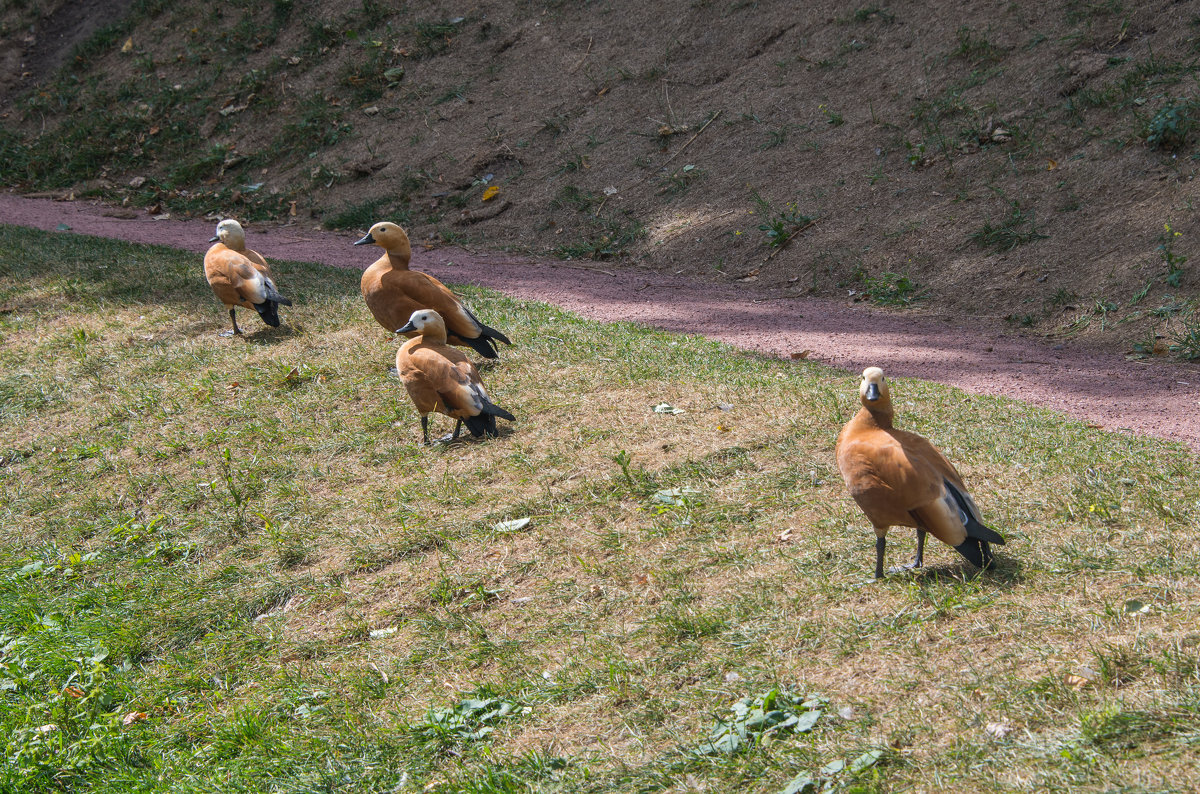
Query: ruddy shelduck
[
  {"x": 900, "y": 479},
  {"x": 240, "y": 277},
  {"x": 440, "y": 378},
  {"x": 393, "y": 293}
]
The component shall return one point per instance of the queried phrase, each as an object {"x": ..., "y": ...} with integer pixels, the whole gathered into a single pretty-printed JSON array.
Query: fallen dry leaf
[
  {"x": 785, "y": 535},
  {"x": 132, "y": 717},
  {"x": 999, "y": 730},
  {"x": 73, "y": 691},
  {"x": 127, "y": 47}
]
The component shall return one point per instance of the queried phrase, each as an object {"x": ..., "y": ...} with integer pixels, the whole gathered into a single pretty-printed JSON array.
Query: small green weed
[
  {"x": 433, "y": 38},
  {"x": 891, "y": 289},
  {"x": 755, "y": 719},
  {"x": 781, "y": 226},
  {"x": 678, "y": 181},
  {"x": 776, "y": 137},
  {"x": 579, "y": 200},
  {"x": 834, "y": 119},
  {"x": 1185, "y": 342},
  {"x": 318, "y": 124},
  {"x": 607, "y": 238},
  {"x": 1172, "y": 126},
  {"x": 1172, "y": 258},
  {"x": 1062, "y": 297},
  {"x": 867, "y": 14},
  {"x": 366, "y": 213},
  {"x": 915, "y": 154},
  {"x": 467, "y": 721},
  {"x": 975, "y": 48},
  {"x": 1018, "y": 228}
]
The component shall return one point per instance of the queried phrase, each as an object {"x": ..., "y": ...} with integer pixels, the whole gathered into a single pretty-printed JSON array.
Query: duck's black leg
[
  {"x": 236, "y": 331},
  {"x": 880, "y": 545}
]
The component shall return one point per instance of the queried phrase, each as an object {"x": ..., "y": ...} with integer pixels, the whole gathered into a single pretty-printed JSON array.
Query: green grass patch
[
  {"x": 1017, "y": 228},
  {"x": 227, "y": 564}
]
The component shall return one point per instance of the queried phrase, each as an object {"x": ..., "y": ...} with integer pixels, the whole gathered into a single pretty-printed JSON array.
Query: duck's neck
[
  {"x": 433, "y": 336},
  {"x": 878, "y": 413},
  {"x": 399, "y": 259}
]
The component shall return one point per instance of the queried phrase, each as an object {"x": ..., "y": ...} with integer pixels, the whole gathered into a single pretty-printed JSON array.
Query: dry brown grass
[{"x": 626, "y": 623}]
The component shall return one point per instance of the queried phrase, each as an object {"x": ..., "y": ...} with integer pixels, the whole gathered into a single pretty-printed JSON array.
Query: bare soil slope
[{"x": 1012, "y": 160}]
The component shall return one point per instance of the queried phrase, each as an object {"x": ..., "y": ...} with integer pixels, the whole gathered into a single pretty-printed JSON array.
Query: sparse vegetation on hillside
[{"x": 324, "y": 113}]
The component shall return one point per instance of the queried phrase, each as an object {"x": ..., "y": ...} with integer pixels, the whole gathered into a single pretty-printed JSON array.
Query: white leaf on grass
[
  {"x": 676, "y": 497},
  {"x": 800, "y": 784},
  {"x": 1135, "y": 607},
  {"x": 512, "y": 525},
  {"x": 867, "y": 759}
]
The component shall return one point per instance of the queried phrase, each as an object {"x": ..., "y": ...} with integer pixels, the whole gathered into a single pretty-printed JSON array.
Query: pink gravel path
[{"x": 1157, "y": 398}]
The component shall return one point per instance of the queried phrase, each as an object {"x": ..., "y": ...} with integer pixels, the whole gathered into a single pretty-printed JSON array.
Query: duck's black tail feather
[
  {"x": 487, "y": 335},
  {"x": 491, "y": 409},
  {"x": 483, "y": 346},
  {"x": 492, "y": 333},
  {"x": 272, "y": 294},
  {"x": 976, "y": 551},
  {"x": 975, "y": 528},
  {"x": 478, "y": 425},
  {"x": 269, "y": 312},
  {"x": 976, "y": 548},
  {"x": 485, "y": 423}
]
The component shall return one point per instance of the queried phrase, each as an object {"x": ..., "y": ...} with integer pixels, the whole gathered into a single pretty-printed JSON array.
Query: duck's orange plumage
[
  {"x": 241, "y": 277},
  {"x": 899, "y": 479},
  {"x": 393, "y": 293},
  {"x": 441, "y": 379}
]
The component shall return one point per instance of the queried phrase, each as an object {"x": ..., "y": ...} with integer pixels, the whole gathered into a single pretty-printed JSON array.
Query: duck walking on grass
[
  {"x": 393, "y": 293},
  {"x": 440, "y": 378},
  {"x": 900, "y": 479},
  {"x": 240, "y": 277}
]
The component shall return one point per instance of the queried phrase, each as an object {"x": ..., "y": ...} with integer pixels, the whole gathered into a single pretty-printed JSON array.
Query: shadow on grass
[
  {"x": 1005, "y": 573},
  {"x": 273, "y": 336}
]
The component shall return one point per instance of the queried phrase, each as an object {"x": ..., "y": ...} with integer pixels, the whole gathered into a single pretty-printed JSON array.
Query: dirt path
[{"x": 1155, "y": 398}]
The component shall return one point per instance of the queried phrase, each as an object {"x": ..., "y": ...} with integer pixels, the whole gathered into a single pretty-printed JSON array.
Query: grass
[
  {"x": 1017, "y": 228},
  {"x": 892, "y": 289},
  {"x": 365, "y": 214},
  {"x": 605, "y": 237},
  {"x": 226, "y": 564},
  {"x": 780, "y": 226}
]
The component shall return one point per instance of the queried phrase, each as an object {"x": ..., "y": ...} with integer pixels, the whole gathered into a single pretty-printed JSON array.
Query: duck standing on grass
[
  {"x": 440, "y": 378},
  {"x": 393, "y": 293},
  {"x": 240, "y": 277},
  {"x": 900, "y": 479}
]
